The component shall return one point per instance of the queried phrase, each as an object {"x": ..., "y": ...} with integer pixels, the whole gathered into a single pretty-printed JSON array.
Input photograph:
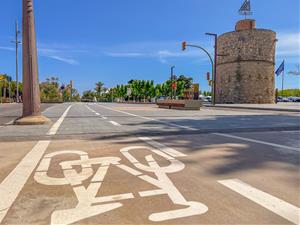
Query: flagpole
[{"x": 282, "y": 87}]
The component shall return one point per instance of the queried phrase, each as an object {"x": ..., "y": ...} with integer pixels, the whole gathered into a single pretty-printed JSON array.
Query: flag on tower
[{"x": 280, "y": 69}]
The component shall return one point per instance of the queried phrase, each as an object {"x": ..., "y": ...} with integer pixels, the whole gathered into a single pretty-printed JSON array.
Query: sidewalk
[{"x": 287, "y": 107}]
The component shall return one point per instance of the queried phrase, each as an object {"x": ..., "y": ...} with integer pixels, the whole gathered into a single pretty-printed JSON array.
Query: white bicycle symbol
[{"x": 89, "y": 205}]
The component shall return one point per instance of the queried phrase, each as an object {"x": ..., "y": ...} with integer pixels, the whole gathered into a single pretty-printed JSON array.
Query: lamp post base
[{"x": 32, "y": 120}]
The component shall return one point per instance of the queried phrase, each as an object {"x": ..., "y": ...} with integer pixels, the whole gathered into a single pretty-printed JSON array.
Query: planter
[{"x": 180, "y": 104}]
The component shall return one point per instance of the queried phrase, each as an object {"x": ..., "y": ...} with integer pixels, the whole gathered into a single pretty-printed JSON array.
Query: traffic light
[
  {"x": 183, "y": 46},
  {"x": 208, "y": 76}
]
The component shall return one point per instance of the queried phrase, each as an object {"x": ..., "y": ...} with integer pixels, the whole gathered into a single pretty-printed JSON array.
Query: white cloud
[
  {"x": 7, "y": 48},
  {"x": 65, "y": 60},
  {"x": 288, "y": 45},
  {"x": 162, "y": 51},
  {"x": 60, "y": 53},
  {"x": 124, "y": 54}
]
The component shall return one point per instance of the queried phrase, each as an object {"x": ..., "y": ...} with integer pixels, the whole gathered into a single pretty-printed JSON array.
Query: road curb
[{"x": 253, "y": 108}]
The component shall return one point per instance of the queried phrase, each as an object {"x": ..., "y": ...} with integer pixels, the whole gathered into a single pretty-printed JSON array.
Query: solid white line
[
  {"x": 10, "y": 122},
  {"x": 55, "y": 127},
  {"x": 165, "y": 149},
  {"x": 257, "y": 141},
  {"x": 276, "y": 205},
  {"x": 12, "y": 185},
  {"x": 114, "y": 123},
  {"x": 15, "y": 181},
  {"x": 147, "y": 118}
]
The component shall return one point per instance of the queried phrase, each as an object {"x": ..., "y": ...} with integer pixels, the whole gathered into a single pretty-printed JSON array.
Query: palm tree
[{"x": 99, "y": 88}]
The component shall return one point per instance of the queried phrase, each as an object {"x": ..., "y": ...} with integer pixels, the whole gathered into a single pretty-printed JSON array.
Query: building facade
[{"x": 246, "y": 64}]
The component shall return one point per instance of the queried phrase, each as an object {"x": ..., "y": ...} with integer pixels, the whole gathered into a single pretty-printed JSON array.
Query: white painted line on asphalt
[
  {"x": 103, "y": 117},
  {"x": 55, "y": 127},
  {"x": 12, "y": 185},
  {"x": 114, "y": 198},
  {"x": 10, "y": 122},
  {"x": 15, "y": 181},
  {"x": 97, "y": 114},
  {"x": 276, "y": 205},
  {"x": 165, "y": 149},
  {"x": 147, "y": 118},
  {"x": 115, "y": 123},
  {"x": 257, "y": 141}
]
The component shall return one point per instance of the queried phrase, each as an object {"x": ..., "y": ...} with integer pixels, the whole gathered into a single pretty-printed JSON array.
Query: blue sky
[{"x": 114, "y": 41}]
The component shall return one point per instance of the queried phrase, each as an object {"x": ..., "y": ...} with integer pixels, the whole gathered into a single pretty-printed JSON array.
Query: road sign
[
  {"x": 174, "y": 85},
  {"x": 129, "y": 91}
]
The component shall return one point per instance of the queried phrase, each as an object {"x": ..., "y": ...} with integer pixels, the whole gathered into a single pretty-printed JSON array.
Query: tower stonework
[{"x": 246, "y": 64}]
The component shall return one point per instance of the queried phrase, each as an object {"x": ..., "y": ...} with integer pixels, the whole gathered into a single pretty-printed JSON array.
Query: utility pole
[
  {"x": 31, "y": 90},
  {"x": 17, "y": 42}
]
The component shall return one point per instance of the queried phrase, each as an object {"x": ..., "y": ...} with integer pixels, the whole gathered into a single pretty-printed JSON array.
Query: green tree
[
  {"x": 99, "y": 89},
  {"x": 50, "y": 91},
  {"x": 88, "y": 96}
]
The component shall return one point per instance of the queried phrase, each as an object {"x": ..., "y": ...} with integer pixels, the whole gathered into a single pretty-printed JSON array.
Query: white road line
[
  {"x": 115, "y": 123},
  {"x": 257, "y": 141},
  {"x": 15, "y": 181},
  {"x": 55, "y": 127},
  {"x": 276, "y": 205},
  {"x": 103, "y": 117},
  {"x": 165, "y": 149},
  {"x": 97, "y": 114},
  {"x": 147, "y": 118},
  {"x": 12, "y": 185},
  {"x": 10, "y": 122}
]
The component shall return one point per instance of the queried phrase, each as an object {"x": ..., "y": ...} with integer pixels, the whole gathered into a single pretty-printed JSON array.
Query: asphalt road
[
  {"x": 9, "y": 112},
  {"x": 137, "y": 164}
]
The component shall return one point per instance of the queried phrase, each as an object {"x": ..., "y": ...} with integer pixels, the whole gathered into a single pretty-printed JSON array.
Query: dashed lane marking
[
  {"x": 147, "y": 118},
  {"x": 257, "y": 141},
  {"x": 12, "y": 185},
  {"x": 115, "y": 123},
  {"x": 55, "y": 127},
  {"x": 276, "y": 205}
]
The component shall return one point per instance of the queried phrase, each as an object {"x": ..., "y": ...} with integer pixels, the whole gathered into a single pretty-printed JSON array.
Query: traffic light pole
[
  {"x": 213, "y": 66},
  {"x": 31, "y": 90}
]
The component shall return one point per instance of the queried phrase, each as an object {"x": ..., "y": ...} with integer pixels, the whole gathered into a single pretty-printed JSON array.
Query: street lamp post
[
  {"x": 31, "y": 90},
  {"x": 215, "y": 66}
]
